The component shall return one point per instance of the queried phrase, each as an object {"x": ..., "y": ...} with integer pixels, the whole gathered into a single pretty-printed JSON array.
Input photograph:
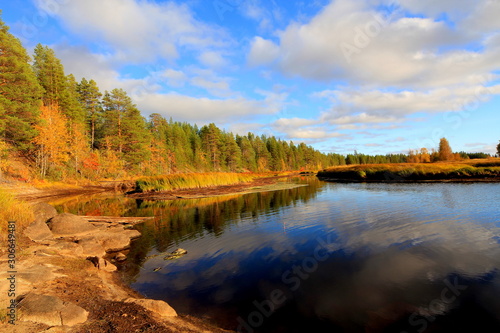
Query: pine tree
[
  {"x": 124, "y": 128},
  {"x": 19, "y": 92},
  {"x": 90, "y": 98},
  {"x": 211, "y": 141},
  {"x": 59, "y": 89},
  {"x": 50, "y": 74}
]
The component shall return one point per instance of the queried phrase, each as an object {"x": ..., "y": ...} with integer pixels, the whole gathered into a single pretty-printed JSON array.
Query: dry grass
[
  {"x": 12, "y": 209},
  {"x": 474, "y": 169},
  {"x": 192, "y": 180}
]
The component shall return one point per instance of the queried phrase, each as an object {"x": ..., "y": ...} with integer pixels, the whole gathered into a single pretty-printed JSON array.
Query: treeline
[
  {"x": 69, "y": 128},
  {"x": 72, "y": 129}
]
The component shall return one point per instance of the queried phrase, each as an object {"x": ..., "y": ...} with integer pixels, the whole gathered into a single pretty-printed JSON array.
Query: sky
[{"x": 372, "y": 76}]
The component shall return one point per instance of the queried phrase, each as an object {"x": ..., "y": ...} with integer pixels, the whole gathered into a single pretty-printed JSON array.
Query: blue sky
[{"x": 376, "y": 76}]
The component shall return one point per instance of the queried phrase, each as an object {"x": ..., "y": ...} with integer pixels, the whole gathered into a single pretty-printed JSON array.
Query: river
[{"x": 326, "y": 257}]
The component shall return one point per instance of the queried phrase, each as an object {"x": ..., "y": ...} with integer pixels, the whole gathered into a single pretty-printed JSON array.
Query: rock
[
  {"x": 102, "y": 264},
  {"x": 112, "y": 242},
  {"x": 37, "y": 273},
  {"x": 38, "y": 231},
  {"x": 50, "y": 310},
  {"x": 66, "y": 224},
  {"x": 120, "y": 257},
  {"x": 43, "y": 212},
  {"x": 158, "y": 307},
  {"x": 68, "y": 249},
  {"x": 92, "y": 247},
  {"x": 176, "y": 254},
  {"x": 132, "y": 234}
]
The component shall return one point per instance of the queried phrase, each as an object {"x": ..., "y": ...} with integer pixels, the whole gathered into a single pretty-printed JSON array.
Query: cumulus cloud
[
  {"x": 204, "y": 110},
  {"x": 140, "y": 30}
]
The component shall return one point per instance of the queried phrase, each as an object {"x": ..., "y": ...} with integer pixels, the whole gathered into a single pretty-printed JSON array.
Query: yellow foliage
[
  {"x": 52, "y": 138},
  {"x": 12, "y": 209}
]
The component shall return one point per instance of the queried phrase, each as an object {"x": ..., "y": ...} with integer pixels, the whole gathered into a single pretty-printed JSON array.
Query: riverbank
[
  {"x": 66, "y": 281},
  {"x": 76, "y": 272},
  {"x": 470, "y": 171}
]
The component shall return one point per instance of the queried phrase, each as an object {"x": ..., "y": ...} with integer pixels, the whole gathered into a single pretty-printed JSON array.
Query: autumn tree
[
  {"x": 52, "y": 139},
  {"x": 445, "y": 152},
  {"x": 19, "y": 92}
]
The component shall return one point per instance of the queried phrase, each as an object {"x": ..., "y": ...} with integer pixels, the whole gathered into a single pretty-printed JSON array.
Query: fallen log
[{"x": 117, "y": 219}]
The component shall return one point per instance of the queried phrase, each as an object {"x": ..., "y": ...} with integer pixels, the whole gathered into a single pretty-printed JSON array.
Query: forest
[{"x": 71, "y": 129}]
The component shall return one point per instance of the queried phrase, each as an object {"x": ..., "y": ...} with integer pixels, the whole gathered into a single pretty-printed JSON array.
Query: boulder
[
  {"x": 68, "y": 249},
  {"x": 160, "y": 308},
  {"x": 43, "y": 212},
  {"x": 113, "y": 240},
  {"x": 66, "y": 224},
  {"x": 91, "y": 247},
  {"x": 50, "y": 310},
  {"x": 102, "y": 264},
  {"x": 38, "y": 231}
]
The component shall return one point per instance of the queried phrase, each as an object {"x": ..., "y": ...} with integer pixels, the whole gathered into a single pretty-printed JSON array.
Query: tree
[
  {"x": 445, "y": 152},
  {"x": 124, "y": 129},
  {"x": 498, "y": 150},
  {"x": 19, "y": 92},
  {"x": 90, "y": 98},
  {"x": 211, "y": 142},
  {"x": 50, "y": 74},
  {"x": 59, "y": 89},
  {"x": 52, "y": 139}
]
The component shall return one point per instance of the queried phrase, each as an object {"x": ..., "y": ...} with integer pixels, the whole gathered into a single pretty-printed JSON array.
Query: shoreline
[{"x": 58, "y": 270}]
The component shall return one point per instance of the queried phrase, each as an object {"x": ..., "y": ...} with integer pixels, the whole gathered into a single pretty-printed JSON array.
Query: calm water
[{"x": 324, "y": 258}]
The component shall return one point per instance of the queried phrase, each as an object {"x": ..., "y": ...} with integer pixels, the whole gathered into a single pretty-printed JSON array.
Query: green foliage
[{"x": 19, "y": 92}]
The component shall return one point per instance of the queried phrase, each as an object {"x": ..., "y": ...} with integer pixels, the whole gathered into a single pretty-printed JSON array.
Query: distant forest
[{"x": 72, "y": 129}]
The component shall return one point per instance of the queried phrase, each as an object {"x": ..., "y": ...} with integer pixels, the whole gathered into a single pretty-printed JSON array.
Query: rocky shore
[{"x": 65, "y": 280}]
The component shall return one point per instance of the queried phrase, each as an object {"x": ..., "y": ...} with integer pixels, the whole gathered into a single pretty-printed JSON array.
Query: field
[{"x": 484, "y": 169}]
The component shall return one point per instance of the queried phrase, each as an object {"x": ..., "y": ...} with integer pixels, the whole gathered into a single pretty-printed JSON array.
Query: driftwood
[{"x": 117, "y": 219}]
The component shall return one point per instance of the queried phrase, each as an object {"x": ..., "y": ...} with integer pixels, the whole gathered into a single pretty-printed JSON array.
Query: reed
[
  {"x": 414, "y": 171},
  {"x": 192, "y": 180},
  {"x": 12, "y": 209}
]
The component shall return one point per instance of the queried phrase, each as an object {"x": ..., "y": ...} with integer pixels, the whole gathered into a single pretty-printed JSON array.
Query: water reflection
[{"x": 392, "y": 258}]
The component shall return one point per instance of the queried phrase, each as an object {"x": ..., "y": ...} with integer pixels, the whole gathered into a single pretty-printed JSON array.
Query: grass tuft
[
  {"x": 12, "y": 209},
  {"x": 192, "y": 180}
]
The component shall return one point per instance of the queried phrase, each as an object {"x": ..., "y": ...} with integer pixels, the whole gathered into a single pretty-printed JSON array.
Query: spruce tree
[{"x": 19, "y": 92}]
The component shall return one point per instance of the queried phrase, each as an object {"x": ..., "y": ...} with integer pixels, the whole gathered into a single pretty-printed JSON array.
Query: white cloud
[
  {"x": 263, "y": 52},
  {"x": 212, "y": 59},
  {"x": 350, "y": 41},
  {"x": 140, "y": 30},
  {"x": 203, "y": 110},
  {"x": 175, "y": 78}
]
